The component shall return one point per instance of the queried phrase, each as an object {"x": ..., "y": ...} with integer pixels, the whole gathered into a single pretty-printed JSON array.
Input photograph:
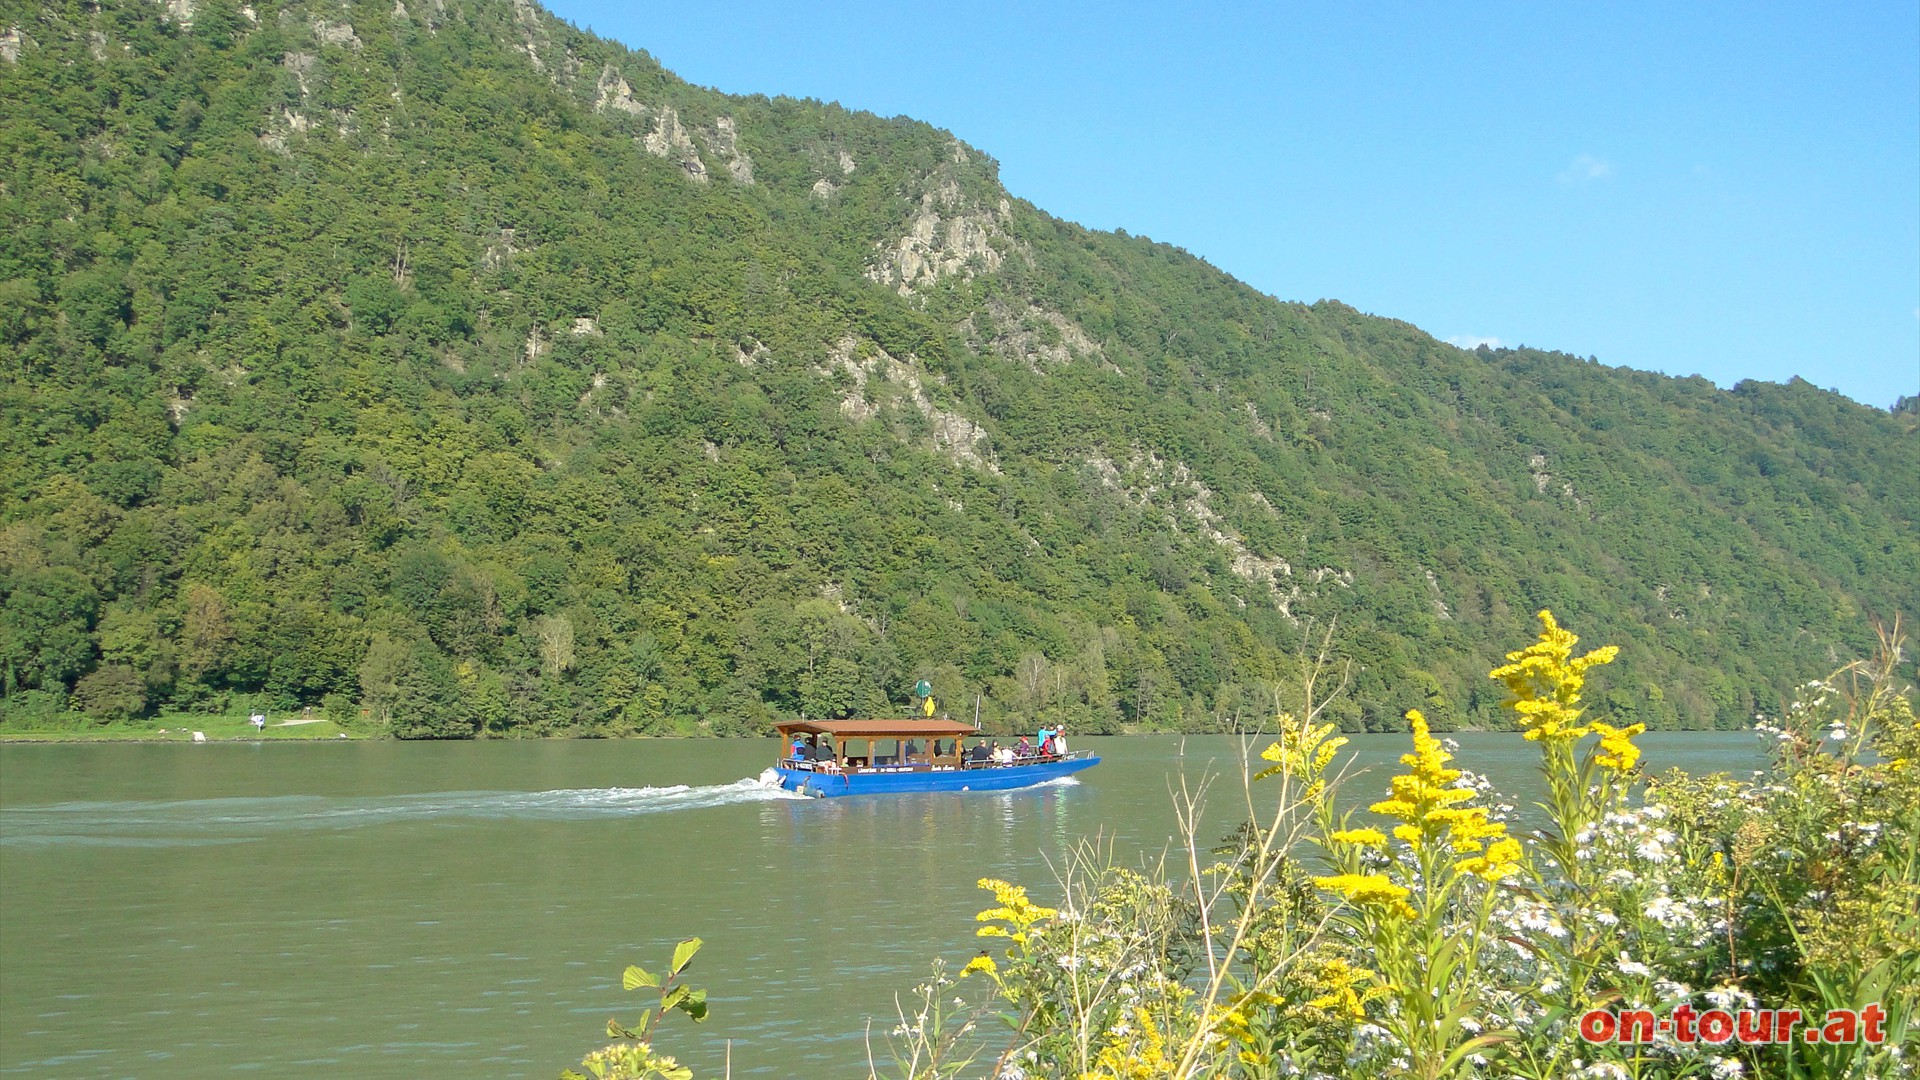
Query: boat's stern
[{"x": 805, "y": 781}]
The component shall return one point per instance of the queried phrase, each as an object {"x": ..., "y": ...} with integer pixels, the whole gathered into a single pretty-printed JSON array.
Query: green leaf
[
  {"x": 683, "y": 952},
  {"x": 673, "y": 998},
  {"x": 616, "y": 1031},
  {"x": 637, "y": 977},
  {"x": 695, "y": 1005}
]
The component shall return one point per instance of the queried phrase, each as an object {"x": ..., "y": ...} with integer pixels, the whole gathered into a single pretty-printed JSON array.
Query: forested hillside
[{"x": 446, "y": 367}]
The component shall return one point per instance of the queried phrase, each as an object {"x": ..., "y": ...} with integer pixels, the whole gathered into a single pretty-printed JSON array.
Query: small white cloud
[
  {"x": 1586, "y": 169},
  {"x": 1474, "y": 341}
]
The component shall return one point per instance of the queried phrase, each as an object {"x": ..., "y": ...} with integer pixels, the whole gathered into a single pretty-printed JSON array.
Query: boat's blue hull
[{"x": 884, "y": 782}]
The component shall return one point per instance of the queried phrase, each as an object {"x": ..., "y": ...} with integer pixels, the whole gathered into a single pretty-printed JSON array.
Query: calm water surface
[{"x": 465, "y": 910}]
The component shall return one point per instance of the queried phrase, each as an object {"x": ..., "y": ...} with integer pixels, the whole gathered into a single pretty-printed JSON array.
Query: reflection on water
[{"x": 390, "y": 910}]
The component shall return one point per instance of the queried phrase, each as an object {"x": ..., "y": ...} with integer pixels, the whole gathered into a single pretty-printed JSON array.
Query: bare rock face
[
  {"x": 1036, "y": 337},
  {"x": 500, "y": 250},
  {"x": 895, "y": 381},
  {"x": 826, "y": 159},
  {"x": 674, "y": 140},
  {"x": 10, "y": 45},
  {"x": 333, "y": 33},
  {"x": 670, "y": 140},
  {"x": 281, "y": 129},
  {"x": 1259, "y": 423},
  {"x": 532, "y": 35},
  {"x": 723, "y": 140},
  {"x": 1152, "y": 483},
  {"x": 947, "y": 235},
  {"x": 751, "y": 357},
  {"x": 615, "y": 95},
  {"x": 1440, "y": 609},
  {"x": 178, "y": 12},
  {"x": 300, "y": 66}
]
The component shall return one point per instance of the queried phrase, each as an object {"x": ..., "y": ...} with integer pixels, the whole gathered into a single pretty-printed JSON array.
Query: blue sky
[{"x": 1730, "y": 190}]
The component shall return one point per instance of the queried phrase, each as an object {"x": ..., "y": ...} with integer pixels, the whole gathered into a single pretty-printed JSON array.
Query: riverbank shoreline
[{"x": 215, "y": 729}]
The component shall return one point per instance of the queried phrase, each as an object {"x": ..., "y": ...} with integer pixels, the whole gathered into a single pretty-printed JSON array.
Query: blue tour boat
[{"x": 874, "y": 757}]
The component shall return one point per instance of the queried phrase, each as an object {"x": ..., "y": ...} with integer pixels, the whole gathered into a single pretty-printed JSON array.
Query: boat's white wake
[
  {"x": 220, "y": 821},
  {"x": 1058, "y": 781}
]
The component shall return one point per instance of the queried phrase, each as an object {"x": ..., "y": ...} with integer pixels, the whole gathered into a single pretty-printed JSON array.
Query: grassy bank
[{"x": 179, "y": 727}]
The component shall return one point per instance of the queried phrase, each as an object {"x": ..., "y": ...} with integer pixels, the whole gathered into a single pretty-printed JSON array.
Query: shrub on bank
[{"x": 1424, "y": 937}]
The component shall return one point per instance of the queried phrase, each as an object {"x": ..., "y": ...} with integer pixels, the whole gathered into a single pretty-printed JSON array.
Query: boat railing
[
  {"x": 811, "y": 764},
  {"x": 1025, "y": 759}
]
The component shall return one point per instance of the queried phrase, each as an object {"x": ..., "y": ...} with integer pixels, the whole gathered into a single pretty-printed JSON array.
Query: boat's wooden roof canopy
[{"x": 877, "y": 729}]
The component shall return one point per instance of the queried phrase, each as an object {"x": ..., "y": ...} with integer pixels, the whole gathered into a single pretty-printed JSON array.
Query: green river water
[{"x": 379, "y": 909}]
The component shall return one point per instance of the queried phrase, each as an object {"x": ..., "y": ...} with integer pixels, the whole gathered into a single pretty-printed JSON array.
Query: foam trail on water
[
  {"x": 192, "y": 822},
  {"x": 1059, "y": 781}
]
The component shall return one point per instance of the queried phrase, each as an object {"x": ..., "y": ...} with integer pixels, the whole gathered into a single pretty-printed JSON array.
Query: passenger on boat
[
  {"x": 1023, "y": 748},
  {"x": 799, "y": 749},
  {"x": 1043, "y": 744},
  {"x": 1060, "y": 741},
  {"x": 1003, "y": 755}
]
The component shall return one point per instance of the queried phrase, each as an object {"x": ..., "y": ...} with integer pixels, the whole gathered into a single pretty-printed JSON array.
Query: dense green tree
[{"x": 422, "y": 366}]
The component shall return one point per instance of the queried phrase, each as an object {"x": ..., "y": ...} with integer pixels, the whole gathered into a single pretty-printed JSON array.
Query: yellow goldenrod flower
[
  {"x": 1544, "y": 680},
  {"x": 1616, "y": 750},
  {"x": 1018, "y": 912},
  {"x": 1369, "y": 837},
  {"x": 1369, "y": 890},
  {"x": 1140, "y": 1053},
  {"x": 1502, "y": 858},
  {"x": 1345, "y": 988},
  {"x": 1424, "y": 797},
  {"x": 1303, "y": 751},
  {"x": 1425, "y": 802}
]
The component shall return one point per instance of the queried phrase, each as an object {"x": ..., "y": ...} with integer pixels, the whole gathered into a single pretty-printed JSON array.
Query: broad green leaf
[
  {"x": 695, "y": 1005},
  {"x": 673, "y": 998},
  {"x": 683, "y": 952},
  {"x": 637, "y": 977}
]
